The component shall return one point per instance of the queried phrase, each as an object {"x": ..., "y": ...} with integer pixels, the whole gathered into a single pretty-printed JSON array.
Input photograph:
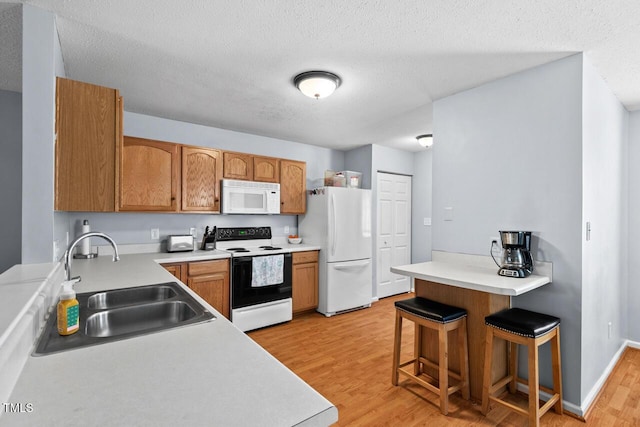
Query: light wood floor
[{"x": 347, "y": 358}]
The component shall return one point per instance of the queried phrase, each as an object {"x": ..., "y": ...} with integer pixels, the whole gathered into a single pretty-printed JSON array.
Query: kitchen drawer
[
  {"x": 208, "y": 267},
  {"x": 305, "y": 257}
]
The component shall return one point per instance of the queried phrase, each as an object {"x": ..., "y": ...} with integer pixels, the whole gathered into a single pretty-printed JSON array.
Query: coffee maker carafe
[{"x": 516, "y": 254}]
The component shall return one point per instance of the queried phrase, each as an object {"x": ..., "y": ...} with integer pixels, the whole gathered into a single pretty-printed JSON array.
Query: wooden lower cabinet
[
  {"x": 178, "y": 269},
  {"x": 209, "y": 279},
  {"x": 305, "y": 281}
]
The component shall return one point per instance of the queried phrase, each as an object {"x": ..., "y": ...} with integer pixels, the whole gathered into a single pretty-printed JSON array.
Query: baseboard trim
[{"x": 581, "y": 412}]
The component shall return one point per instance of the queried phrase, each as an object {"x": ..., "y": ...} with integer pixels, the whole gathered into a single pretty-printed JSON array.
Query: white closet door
[{"x": 394, "y": 232}]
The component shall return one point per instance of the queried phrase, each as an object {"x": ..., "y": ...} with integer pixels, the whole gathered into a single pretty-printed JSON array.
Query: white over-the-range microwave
[{"x": 250, "y": 197}]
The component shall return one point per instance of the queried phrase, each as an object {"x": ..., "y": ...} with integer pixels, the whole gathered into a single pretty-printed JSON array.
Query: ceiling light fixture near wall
[
  {"x": 317, "y": 84},
  {"x": 425, "y": 140}
]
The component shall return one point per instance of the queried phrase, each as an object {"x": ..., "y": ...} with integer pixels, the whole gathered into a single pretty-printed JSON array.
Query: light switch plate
[{"x": 427, "y": 221}]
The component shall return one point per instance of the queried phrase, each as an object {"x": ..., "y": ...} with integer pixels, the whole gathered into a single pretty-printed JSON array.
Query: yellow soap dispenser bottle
[{"x": 68, "y": 310}]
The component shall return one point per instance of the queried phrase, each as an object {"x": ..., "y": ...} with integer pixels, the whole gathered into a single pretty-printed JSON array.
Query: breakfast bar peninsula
[{"x": 471, "y": 282}]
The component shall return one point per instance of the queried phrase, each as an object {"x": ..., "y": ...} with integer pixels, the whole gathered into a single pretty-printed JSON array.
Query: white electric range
[{"x": 261, "y": 276}]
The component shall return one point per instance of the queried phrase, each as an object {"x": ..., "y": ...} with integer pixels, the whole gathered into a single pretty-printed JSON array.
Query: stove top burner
[
  {"x": 270, "y": 248},
  {"x": 238, "y": 250}
]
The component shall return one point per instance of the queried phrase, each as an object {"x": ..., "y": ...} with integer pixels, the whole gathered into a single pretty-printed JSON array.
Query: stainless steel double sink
[{"x": 118, "y": 314}]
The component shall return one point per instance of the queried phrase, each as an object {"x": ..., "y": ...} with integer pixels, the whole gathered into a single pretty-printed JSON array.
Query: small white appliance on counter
[
  {"x": 250, "y": 197},
  {"x": 339, "y": 221}
]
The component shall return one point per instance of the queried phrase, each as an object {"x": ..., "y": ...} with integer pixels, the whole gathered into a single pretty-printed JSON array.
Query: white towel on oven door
[{"x": 267, "y": 270}]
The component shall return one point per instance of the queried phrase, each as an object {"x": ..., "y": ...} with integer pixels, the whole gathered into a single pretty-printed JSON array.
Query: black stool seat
[
  {"x": 431, "y": 310},
  {"x": 522, "y": 322}
]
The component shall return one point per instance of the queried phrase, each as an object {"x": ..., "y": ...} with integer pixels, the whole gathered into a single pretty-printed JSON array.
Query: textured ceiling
[{"x": 229, "y": 64}]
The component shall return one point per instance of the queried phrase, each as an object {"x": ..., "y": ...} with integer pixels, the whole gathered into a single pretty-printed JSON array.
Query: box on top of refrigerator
[{"x": 353, "y": 179}]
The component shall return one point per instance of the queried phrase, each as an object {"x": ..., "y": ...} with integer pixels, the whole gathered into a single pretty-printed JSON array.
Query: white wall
[
  {"x": 11, "y": 188},
  {"x": 604, "y": 256},
  {"x": 633, "y": 291},
  {"x": 508, "y": 156},
  {"x": 38, "y": 101},
  {"x": 421, "y": 206},
  {"x": 135, "y": 227},
  {"x": 359, "y": 160}
]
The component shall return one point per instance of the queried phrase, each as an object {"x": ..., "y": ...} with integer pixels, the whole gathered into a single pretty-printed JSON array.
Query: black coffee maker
[{"x": 516, "y": 254}]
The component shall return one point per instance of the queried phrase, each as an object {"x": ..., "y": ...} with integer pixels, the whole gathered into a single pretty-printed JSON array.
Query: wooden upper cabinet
[
  {"x": 293, "y": 187},
  {"x": 266, "y": 169},
  {"x": 238, "y": 166},
  {"x": 201, "y": 175},
  {"x": 89, "y": 131},
  {"x": 149, "y": 175},
  {"x": 251, "y": 168}
]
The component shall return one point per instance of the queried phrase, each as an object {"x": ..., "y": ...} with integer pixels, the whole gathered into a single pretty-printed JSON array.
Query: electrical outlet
[
  {"x": 610, "y": 329},
  {"x": 286, "y": 230},
  {"x": 496, "y": 248},
  {"x": 192, "y": 231},
  {"x": 155, "y": 234}
]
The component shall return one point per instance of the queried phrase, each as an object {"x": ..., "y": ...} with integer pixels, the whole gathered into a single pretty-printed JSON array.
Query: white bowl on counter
[{"x": 295, "y": 240}]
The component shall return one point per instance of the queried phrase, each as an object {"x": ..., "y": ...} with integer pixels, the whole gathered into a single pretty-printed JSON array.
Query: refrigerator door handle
[
  {"x": 332, "y": 221},
  {"x": 351, "y": 265}
]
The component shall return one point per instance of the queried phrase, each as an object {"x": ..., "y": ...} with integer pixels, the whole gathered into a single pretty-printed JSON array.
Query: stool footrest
[
  {"x": 434, "y": 365},
  {"x": 426, "y": 384},
  {"x": 501, "y": 383},
  {"x": 511, "y": 406}
]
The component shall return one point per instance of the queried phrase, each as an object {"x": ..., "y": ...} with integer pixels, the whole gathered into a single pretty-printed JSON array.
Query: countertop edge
[{"x": 519, "y": 287}]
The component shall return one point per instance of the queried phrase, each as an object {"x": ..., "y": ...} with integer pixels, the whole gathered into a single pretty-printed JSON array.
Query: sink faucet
[{"x": 72, "y": 245}]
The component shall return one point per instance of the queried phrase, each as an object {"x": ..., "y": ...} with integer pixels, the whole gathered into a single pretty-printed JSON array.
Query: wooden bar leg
[
  {"x": 486, "y": 383},
  {"x": 464, "y": 358},
  {"x": 534, "y": 384},
  {"x": 443, "y": 364},
  {"x": 513, "y": 366},
  {"x": 397, "y": 339},
  {"x": 557, "y": 371},
  {"x": 417, "y": 349}
]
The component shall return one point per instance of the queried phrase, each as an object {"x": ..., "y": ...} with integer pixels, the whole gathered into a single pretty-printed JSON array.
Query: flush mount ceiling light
[
  {"x": 425, "y": 140},
  {"x": 317, "y": 84}
]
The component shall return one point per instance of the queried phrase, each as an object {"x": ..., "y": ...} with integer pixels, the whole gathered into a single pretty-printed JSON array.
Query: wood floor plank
[{"x": 347, "y": 358}]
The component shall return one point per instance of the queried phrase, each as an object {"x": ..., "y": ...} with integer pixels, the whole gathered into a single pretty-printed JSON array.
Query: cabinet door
[
  {"x": 305, "y": 287},
  {"x": 266, "y": 169},
  {"x": 293, "y": 187},
  {"x": 89, "y": 129},
  {"x": 179, "y": 270},
  {"x": 201, "y": 175},
  {"x": 214, "y": 289},
  {"x": 238, "y": 166},
  {"x": 149, "y": 172}
]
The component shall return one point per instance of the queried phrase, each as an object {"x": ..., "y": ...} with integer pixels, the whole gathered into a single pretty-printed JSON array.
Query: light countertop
[
  {"x": 471, "y": 276},
  {"x": 205, "y": 374}
]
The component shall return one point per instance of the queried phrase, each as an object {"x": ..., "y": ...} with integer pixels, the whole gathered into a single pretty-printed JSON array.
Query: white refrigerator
[{"x": 339, "y": 221}]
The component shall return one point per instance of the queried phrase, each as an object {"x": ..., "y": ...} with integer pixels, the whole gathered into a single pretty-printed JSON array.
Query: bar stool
[
  {"x": 518, "y": 326},
  {"x": 443, "y": 319}
]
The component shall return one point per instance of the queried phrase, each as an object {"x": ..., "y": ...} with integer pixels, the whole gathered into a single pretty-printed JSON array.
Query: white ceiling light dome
[
  {"x": 317, "y": 84},
  {"x": 425, "y": 140}
]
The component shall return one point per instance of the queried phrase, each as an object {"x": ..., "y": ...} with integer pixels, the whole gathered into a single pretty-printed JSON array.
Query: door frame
[{"x": 376, "y": 247}]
